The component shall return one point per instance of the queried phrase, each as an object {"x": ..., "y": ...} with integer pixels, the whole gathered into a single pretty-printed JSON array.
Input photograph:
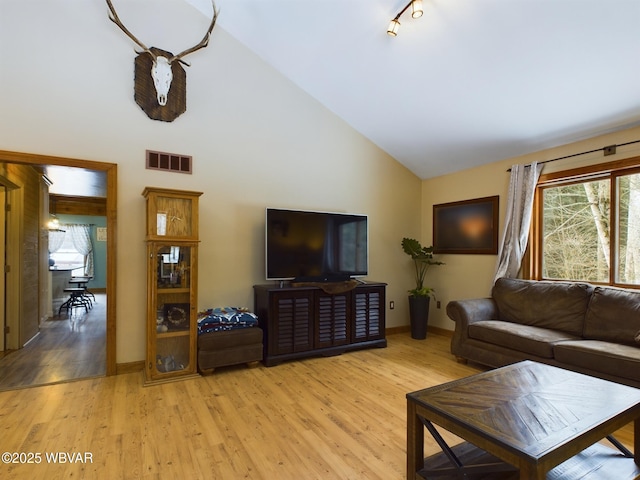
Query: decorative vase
[{"x": 419, "y": 316}]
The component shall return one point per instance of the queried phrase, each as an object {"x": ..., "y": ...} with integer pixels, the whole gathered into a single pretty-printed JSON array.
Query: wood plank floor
[
  {"x": 67, "y": 348},
  {"x": 341, "y": 417}
]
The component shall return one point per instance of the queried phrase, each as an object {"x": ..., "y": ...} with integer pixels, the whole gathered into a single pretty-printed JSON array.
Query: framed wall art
[{"x": 468, "y": 226}]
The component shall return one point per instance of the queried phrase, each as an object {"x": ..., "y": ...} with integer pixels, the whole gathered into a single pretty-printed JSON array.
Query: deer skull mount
[
  {"x": 162, "y": 76},
  {"x": 160, "y": 80}
]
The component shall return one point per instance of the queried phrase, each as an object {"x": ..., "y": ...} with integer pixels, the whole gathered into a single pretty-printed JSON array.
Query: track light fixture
[{"x": 416, "y": 12}]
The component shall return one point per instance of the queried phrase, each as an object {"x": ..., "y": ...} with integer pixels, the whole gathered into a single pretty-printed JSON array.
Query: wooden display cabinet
[{"x": 172, "y": 284}]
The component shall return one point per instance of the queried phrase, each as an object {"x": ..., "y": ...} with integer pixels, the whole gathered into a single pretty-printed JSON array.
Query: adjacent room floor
[{"x": 69, "y": 347}]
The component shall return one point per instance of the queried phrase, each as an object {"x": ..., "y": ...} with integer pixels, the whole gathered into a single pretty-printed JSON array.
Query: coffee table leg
[
  {"x": 415, "y": 442},
  {"x": 636, "y": 441},
  {"x": 529, "y": 472}
]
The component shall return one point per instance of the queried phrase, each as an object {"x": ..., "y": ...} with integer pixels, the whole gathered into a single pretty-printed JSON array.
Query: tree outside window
[{"x": 589, "y": 227}]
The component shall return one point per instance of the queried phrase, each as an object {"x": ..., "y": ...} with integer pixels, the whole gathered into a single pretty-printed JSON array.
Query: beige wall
[
  {"x": 471, "y": 276},
  {"x": 256, "y": 139}
]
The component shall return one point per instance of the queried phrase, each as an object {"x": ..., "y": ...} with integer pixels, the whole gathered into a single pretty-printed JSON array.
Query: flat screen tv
[{"x": 315, "y": 246}]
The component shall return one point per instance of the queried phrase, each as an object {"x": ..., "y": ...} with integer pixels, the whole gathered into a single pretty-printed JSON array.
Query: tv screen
[{"x": 315, "y": 246}]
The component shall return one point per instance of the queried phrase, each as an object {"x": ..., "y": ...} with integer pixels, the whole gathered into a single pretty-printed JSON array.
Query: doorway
[
  {"x": 110, "y": 171},
  {"x": 3, "y": 196}
]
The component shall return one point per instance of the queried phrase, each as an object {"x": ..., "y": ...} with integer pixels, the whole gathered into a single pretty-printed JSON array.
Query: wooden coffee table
[{"x": 524, "y": 421}]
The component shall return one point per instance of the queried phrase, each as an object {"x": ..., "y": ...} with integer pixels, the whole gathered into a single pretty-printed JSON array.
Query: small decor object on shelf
[
  {"x": 420, "y": 296},
  {"x": 177, "y": 315}
]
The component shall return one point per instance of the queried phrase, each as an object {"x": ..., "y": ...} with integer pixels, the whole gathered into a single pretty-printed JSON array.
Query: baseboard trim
[
  {"x": 394, "y": 330},
  {"x": 131, "y": 367},
  {"x": 407, "y": 328},
  {"x": 440, "y": 331}
]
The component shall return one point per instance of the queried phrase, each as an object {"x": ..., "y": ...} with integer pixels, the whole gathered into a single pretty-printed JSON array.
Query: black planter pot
[{"x": 419, "y": 316}]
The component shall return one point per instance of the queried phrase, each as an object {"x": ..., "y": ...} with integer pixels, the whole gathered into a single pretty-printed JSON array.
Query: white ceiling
[{"x": 471, "y": 82}]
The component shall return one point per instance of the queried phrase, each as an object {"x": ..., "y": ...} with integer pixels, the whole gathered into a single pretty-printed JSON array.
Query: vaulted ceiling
[{"x": 468, "y": 83}]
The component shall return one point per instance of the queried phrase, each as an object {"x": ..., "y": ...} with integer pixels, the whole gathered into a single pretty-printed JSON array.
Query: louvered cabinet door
[
  {"x": 292, "y": 322},
  {"x": 332, "y": 320},
  {"x": 304, "y": 321},
  {"x": 368, "y": 314}
]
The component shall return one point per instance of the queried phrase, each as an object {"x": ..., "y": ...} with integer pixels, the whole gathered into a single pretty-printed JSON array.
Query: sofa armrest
[{"x": 466, "y": 312}]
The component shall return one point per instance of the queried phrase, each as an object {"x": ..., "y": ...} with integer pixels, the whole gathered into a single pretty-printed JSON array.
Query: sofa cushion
[
  {"x": 613, "y": 316},
  {"x": 622, "y": 361},
  {"x": 556, "y": 305},
  {"x": 532, "y": 340}
]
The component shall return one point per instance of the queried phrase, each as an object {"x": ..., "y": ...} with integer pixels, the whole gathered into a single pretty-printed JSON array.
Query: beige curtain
[
  {"x": 55, "y": 240},
  {"x": 81, "y": 237},
  {"x": 522, "y": 187}
]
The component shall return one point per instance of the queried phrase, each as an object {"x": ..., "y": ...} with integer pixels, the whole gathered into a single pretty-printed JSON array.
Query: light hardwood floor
[{"x": 341, "y": 417}]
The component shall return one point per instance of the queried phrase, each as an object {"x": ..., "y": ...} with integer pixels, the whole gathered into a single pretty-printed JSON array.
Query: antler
[
  {"x": 203, "y": 43},
  {"x": 113, "y": 16}
]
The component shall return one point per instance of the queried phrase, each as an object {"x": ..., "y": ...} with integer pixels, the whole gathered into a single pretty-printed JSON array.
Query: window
[
  {"x": 67, "y": 256},
  {"x": 587, "y": 225}
]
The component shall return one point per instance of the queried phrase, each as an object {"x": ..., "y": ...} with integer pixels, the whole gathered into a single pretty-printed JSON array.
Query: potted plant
[{"x": 419, "y": 297}]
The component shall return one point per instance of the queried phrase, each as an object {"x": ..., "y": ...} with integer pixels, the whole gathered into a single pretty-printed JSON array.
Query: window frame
[{"x": 610, "y": 170}]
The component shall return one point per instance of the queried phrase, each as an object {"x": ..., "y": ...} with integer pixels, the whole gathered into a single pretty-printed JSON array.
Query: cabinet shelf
[
  {"x": 177, "y": 333},
  {"x": 173, "y": 290}
]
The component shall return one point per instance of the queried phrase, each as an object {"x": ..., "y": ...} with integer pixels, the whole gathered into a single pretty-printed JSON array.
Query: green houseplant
[{"x": 420, "y": 296}]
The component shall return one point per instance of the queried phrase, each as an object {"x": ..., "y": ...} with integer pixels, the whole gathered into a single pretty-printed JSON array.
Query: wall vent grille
[{"x": 169, "y": 162}]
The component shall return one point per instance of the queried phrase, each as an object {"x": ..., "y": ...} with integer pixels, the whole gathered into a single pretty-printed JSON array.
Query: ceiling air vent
[{"x": 170, "y": 162}]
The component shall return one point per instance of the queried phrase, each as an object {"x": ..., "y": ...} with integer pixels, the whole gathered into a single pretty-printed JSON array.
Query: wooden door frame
[
  {"x": 111, "y": 170},
  {"x": 3, "y": 235}
]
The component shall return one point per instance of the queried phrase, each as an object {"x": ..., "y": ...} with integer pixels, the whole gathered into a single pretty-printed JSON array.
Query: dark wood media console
[{"x": 302, "y": 322}]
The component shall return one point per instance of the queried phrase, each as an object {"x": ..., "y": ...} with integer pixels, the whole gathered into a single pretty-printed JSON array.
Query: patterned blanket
[{"x": 225, "y": 318}]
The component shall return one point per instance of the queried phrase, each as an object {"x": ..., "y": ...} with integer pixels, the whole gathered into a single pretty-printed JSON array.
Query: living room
[{"x": 257, "y": 141}]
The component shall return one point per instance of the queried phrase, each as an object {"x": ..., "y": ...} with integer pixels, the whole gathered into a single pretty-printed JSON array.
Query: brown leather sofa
[{"x": 578, "y": 326}]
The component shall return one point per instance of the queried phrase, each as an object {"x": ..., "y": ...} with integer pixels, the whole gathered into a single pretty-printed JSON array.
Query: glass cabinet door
[{"x": 171, "y": 346}]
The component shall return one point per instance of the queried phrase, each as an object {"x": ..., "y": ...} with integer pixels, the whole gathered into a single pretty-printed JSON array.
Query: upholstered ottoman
[{"x": 228, "y": 336}]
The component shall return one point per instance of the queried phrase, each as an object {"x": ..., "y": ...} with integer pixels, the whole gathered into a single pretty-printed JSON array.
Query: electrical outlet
[
  {"x": 392, "y": 305},
  {"x": 438, "y": 304}
]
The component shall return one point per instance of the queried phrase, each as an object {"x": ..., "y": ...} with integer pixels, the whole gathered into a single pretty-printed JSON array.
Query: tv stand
[
  {"x": 300, "y": 322},
  {"x": 328, "y": 279}
]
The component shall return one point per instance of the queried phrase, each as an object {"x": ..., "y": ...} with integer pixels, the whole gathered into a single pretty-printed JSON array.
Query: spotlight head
[
  {"x": 393, "y": 28},
  {"x": 416, "y": 8}
]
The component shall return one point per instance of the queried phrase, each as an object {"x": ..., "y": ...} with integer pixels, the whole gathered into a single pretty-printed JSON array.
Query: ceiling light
[
  {"x": 394, "y": 26},
  {"x": 416, "y": 8},
  {"x": 54, "y": 223},
  {"x": 416, "y": 12}
]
